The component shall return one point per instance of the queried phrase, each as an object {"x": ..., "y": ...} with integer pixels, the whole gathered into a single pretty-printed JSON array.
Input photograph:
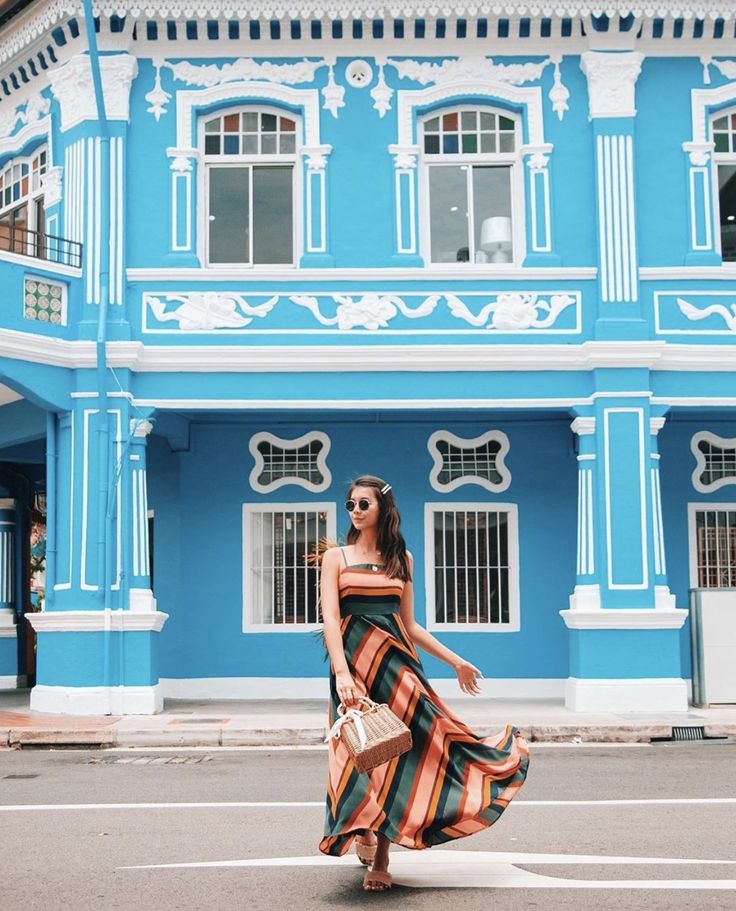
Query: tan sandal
[
  {"x": 366, "y": 852},
  {"x": 375, "y": 878}
]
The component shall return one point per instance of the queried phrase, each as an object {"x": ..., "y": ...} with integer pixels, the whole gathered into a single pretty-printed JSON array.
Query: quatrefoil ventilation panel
[
  {"x": 280, "y": 462},
  {"x": 715, "y": 461},
  {"x": 459, "y": 461}
]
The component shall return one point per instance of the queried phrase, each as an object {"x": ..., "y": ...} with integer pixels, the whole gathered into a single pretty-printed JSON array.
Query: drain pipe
[{"x": 104, "y": 540}]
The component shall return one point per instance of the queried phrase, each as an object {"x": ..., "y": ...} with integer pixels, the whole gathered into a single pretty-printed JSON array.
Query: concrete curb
[{"x": 198, "y": 735}]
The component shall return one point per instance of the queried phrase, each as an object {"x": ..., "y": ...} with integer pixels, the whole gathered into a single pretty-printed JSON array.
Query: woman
[{"x": 451, "y": 783}]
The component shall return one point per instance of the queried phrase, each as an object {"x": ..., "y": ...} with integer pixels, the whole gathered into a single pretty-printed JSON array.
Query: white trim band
[
  {"x": 665, "y": 694},
  {"x": 97, "y": 700},
  {"x": 625, "y": 618},
  {"x": 94, "y": 621}
]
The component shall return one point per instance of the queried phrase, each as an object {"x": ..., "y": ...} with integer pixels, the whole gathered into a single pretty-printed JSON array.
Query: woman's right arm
[{"x": 330, "y": 601}]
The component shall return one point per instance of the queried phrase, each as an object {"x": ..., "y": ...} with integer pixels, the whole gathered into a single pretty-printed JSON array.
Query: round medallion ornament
[{"x": 359, "y": 74}]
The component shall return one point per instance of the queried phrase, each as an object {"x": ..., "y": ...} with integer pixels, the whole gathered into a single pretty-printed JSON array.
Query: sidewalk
[{"x": 185, "y": 723}]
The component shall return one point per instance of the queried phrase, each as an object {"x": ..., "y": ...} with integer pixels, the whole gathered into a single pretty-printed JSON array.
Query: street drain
[
  {"x": 20, "y": 776},
  {"x": 147, "y": 760},
  {"x": 689, "y": 733}
]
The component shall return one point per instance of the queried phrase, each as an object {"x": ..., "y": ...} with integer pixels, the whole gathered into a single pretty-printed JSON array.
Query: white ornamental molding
[
  {"x": 316, "y": 157},
  {"x": 698, "y": 152},
  {"x": 197, "y": 311},
  {"x": 715, "y": 461},
  {"x": 33, "y": 114},
  {"x": 726, "y": 68},
  {"x": 703, "y": 102},
  {"x": 458, "y": 461},
  {"x": 726, "y": 313},
  {"x": 481, "y": 71},
  {"x": 246, "y": 70},
  {"x": 513, "y": 311},
  {"x": 72, "y": 87},
  {"x": 611, "y": 82},
  {"x": 52, "y": 186},
  {"x": 381, "y": 93},
  {"x": 95, "y": 621},
  {"x": 371, "y": 311},
  {"x": 189, "y": 102},
  {"x": 273, "y": 469}
]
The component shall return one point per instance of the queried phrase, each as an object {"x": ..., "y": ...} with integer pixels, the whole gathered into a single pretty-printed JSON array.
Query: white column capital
[
  {"x": 537, "y": 156},
  {"x": 139, "y": 428},
  {"x": 405, "y": 157},
  {"x": 698, "y": 152},
  {"x": 656, "y": 424},
  {"x": 316, "y": 156},
  {"x": 611, "y": 81},
  {"x": 583, "y": 426},
  {"x": 73, "y": 88},
  {"x": 182, "y": 160}
]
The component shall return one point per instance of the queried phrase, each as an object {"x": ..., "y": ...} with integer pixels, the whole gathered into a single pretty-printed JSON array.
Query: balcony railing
[{"x": 16, "y": 239}]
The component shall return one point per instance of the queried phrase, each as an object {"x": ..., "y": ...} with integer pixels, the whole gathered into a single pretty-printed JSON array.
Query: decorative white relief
[
  {"x": 611, "y": 82},
  {"x": 158, "y": 97},
  {"x": 726, "y": 68},
  {"x": 558, "y": 94},
  {"x": 245, "y": 69},
  {"x": 359, "y": 74},
  {"x": 381, "y": 93},
  {"x": 458, "y": 461},
  {"x": 715, "y": 461},
  {"x": 333, "y": 94},
  {"x": 301, "y": 462},
  {"x": 182, "y": 160},
  {"x": 727, "y": 313},
  {"x": 405, "y": 157},
  {"x": 51, "y": 186},
  {"x": 698, "y": 152},
  {"x": 72, "y": 86},
  {"x": 316, "y": 156},
  {"x": 472, "y": 70},
  {"x": 616, "y": 218},
  {"x": 514, "y": 310},
  {"x": 208, "y": 309},
  {"x": 29, "y": 112},
  {"x": 371, "y": 311}
]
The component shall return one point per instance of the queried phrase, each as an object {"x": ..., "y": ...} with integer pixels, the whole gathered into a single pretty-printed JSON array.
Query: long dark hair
[{"x": 390, "y": 541}]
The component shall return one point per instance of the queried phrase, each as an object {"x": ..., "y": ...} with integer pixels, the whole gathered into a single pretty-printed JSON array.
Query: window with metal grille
[
  {"x": 281, "y": 588},
  {"x": 715, "y": 547},
  {"x": 473, "y": 566},
  {"x": 458, "y": 461},
  {"x": 715, "y": 461},
  {"x": 723, "y": 127},
  {"x": 279, "y": 462}
]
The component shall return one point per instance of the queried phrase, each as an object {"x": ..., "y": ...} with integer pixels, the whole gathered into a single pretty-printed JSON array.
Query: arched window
[
  {"x": 21, "y": 203},
  {"x": 470, "y": 160},
  {"x": 724, "y": 140},
  {"x": 249, "y": 174}
]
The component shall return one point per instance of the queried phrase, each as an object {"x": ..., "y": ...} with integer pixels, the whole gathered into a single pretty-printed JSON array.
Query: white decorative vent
[
  {"x": 715, "y": 461},
  {"x": 279, "y": 462},
  {"x": 458, "y": 461}
]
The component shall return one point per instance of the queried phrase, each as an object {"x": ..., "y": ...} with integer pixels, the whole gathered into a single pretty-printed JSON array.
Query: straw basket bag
[{"x": 372, "y": 736}]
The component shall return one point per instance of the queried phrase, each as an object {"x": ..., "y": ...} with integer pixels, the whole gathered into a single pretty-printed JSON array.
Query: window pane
[
  {"x": 492, "y": 205},
  {"x": 272, "y": 215},
  {"x": 727, "y": 203},
  {"x": 228, "y": 213},
  {"x": 448, "y": 208}
]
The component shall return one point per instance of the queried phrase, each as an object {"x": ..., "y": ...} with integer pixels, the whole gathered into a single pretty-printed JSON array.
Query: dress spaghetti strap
[{"x": 344, "y": 558}]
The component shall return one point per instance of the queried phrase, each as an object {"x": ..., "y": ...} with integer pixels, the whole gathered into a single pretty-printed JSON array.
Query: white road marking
[
  {"x": 485, "y": 869},
  {"x": 266, "y": 804}
]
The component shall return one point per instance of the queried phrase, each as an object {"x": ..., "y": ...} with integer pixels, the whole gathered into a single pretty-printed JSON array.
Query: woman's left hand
[{"x": 467, "y": 677}]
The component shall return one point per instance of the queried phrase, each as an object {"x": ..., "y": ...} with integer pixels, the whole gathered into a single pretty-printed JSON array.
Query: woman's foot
[
  {"x": 365, "y": 847},
  {"x": 378, "y": 879}
]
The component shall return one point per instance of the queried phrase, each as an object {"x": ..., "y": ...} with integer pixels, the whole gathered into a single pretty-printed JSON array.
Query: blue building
[{"x": 488, "y": 253}]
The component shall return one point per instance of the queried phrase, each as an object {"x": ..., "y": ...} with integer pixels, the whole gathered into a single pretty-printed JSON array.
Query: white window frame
[
  {"x": 701, "y": 464},
  {"x": 312, "y": 436},
  {"x": 502, "y": 159},
  {"x": 31, "y": 199},
  {"x": 512, "y": 510},
  {"x": 719, "y": 158},
  {"x": 462, "y": 443},
  {"x": 249, "y": 509},
  {"x": 692, "y": 509},
  {"x": 240, "y": 161}
]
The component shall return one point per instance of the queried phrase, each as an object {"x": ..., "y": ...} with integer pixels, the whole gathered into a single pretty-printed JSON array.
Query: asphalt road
[{"x": 594, "y": 828}]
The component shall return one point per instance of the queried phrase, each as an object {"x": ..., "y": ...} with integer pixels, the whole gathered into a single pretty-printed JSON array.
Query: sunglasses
[{"x": 363, "y": 504}]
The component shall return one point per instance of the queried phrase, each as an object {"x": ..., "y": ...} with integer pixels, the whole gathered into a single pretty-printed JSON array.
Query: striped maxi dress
[{"x": 451, "y": 783}]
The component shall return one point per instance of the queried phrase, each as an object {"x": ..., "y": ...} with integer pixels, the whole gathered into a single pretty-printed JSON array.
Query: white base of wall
[
  {"x": 318, "y": 688},
  {"x": 643, "y": 695},
  {"x": 97, "y": 700},
  {"x": 11, "y": 682}
]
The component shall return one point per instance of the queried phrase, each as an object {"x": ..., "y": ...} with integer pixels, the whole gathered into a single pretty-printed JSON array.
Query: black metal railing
[{"x": 16, "y": 239}]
